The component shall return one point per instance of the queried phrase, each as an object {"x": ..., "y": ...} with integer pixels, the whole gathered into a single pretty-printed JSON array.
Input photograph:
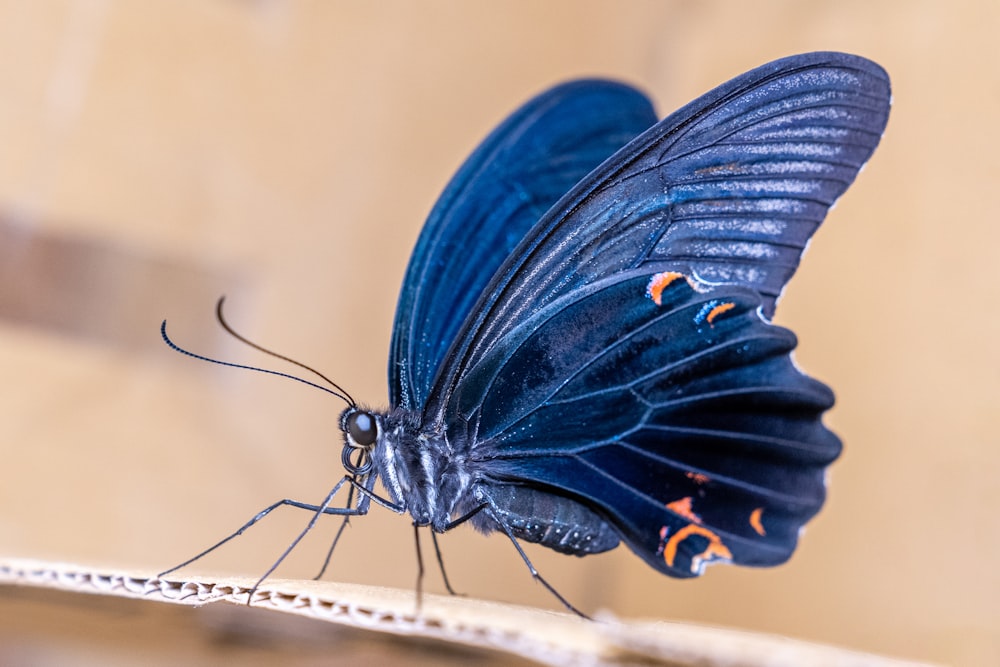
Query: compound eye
[{"x": 362, "y": 428}]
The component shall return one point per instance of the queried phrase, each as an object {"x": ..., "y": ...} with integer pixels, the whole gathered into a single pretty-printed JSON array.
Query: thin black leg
[
  {"x": 495, "y": 515},
  {"x": 465, "y": 517},
  {"x": 367, "y": 496},
  {"x": 420, "y": 567},
  {"x": 263, "y": 513},
  {"x": 440, "y": 560},
  {"x": 336, "y": 538},
  {"x": 320, "y": 511}
]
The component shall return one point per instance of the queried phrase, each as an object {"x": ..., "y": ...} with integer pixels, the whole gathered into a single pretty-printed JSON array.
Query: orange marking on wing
[
  {"x": 697, "y": 477},
  {"x": 658, "y": 283},
  {"x": 715, "y": 549},
  {"x": 718, "y": 310},
  {"x": 683, "y": 508},
  {"x": 755, "y": 521}
]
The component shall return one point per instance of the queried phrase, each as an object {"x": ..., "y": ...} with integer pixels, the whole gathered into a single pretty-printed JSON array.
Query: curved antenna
[
  {"x": 225, "y": 325},
  {"x": 177, "y": 348}
]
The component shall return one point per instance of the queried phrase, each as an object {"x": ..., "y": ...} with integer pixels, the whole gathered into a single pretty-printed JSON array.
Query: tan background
[{"x": 156, "y": 154}]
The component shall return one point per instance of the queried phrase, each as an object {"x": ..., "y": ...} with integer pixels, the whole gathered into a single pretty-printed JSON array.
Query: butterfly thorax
[{"x": 428, "y": 476}]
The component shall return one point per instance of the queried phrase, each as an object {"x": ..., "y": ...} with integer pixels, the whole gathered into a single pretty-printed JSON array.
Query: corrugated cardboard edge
[{"x": 547, "y": 637}]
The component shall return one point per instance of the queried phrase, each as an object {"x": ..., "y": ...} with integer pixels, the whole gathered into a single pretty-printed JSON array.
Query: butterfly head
[
  {"x": 361, "y": 430},
  {"x": 413, "y": 461}
]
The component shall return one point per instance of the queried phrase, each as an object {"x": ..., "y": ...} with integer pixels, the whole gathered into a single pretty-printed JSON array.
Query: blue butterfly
[{"x": 582, "y": 352}]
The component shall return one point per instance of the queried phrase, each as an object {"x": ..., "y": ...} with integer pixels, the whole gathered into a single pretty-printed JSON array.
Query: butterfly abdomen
[{"x": 550, "y": 520}]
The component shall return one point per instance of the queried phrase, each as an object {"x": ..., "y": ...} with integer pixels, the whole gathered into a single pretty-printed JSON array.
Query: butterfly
[{"x": 583, "y": 353}]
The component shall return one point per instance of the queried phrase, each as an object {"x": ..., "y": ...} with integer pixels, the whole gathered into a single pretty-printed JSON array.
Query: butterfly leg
[
  {"x": 366, "y": 496},
  {"x": 494, "y": 513},
  {"x": 257, "y": 517},
  {"x": 420, "y": 566},
  {"x": 323, "y": 508},
  {"x": 437, "y": 548},
  {"x": 440, "y": 560},
  {"x": 320, "y": 510},
  {"x": 336, "y": 538}
]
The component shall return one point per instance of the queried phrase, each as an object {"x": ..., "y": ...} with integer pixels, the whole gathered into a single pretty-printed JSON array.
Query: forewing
[
  {"x": 672, "y": 410},
  {"x": 501, "y": 191},
  {"x": 728, "y": 189}
]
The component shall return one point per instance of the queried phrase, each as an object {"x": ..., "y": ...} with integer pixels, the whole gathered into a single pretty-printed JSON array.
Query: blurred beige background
[{"x": 157, "y": 154}]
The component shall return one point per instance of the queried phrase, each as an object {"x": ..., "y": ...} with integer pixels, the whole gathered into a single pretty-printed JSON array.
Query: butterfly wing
[
  {"x": 678, "y": 416},
  {"x": 685, "y": 425},
  {"x": 501, "y": 191}
]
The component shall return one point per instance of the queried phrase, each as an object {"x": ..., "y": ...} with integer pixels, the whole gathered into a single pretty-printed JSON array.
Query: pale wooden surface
[
  {"x": 501, "y": 631},
  {"x": 157, "y": 154}
]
